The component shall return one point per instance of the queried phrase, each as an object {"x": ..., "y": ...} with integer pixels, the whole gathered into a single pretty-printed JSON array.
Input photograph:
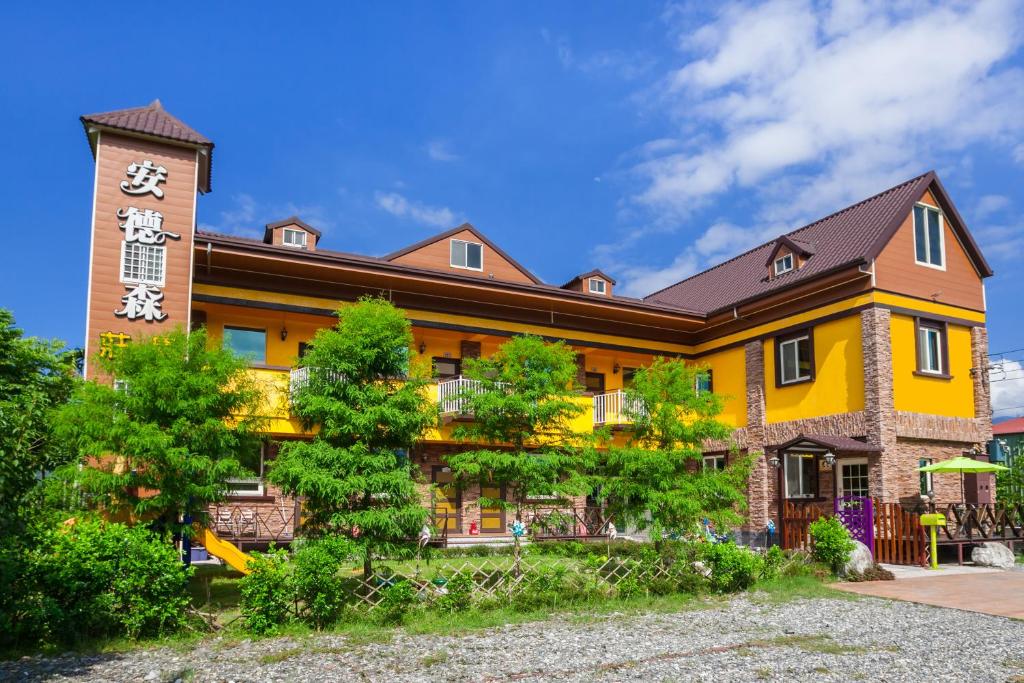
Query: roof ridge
[{"x": 792, "y": 232}]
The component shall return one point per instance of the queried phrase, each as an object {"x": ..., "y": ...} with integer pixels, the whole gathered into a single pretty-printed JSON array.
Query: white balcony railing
[
  {"x": 616, "y": 408},
  {"x": 451, "y": 394},
  {"x": 299, "y": 378}
]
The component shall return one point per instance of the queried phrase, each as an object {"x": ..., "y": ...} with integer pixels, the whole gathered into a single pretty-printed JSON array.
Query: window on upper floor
[
  {"x": 143, "y": 263},
  {"x": 794, "y": 358},
  {"x": 597, "y": 286},
  {"x": 932, "y": 351},
  {"x": 469, "y": 255},
  {"x": 929, "y": 245},
  {"x": 294, "y": 238},
  {"x": 251, "y": 459},
  {"x": 714, "y": 462},
  {"x": 702, "y": 382},
  {"x": 249, "y": 343},
  {"x": 783, "y": 264}
]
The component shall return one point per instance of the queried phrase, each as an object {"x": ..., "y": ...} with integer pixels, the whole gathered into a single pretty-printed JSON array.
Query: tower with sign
[{"x": 150, "y": 169}]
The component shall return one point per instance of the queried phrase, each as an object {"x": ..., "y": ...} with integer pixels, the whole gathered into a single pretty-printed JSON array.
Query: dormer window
[
  {"x": 783, "y": 264},
  {"x": 469, "y": 255},
  {"x": 598, "y": 286},
  {"x": 929, "y": 247},
  {"x": 294, "y": 238}
]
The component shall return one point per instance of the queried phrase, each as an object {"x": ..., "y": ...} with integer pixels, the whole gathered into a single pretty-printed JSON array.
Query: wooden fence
[
  {"x": 899, "y": 536},
  {"x": 796, "y": 522}
]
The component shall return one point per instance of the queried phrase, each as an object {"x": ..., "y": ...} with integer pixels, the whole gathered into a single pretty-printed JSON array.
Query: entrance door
[
  {"x": 852, "y": 477},
  {"x": 447, "y": 500},
  {"x": 492, "y": 519}
]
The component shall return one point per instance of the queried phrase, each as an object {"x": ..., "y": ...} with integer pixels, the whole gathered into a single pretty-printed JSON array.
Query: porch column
[
  {"x": 761, "y": 482},
  {"x": 879, "y": 405}
]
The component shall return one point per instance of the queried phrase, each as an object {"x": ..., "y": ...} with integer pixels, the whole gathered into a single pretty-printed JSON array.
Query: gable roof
[
  {"x": 454, "y": 231},
  {"x": 800, "y": 247},
  {"x": 849, "y": 237},
  {"x": 153, "y": 121},
  {"x": 291, "y": 220},
  {"x": 828, "y": 441},
  {"x": 592, "y": 273}
]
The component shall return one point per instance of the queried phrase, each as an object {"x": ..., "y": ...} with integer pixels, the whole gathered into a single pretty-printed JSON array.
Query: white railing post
[{"x": 610, "y": 408}]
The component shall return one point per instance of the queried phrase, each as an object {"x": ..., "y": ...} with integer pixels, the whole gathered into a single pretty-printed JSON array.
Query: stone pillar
[
  {"x": 879, "y": 405},
  {"x": 982, "y": 389},
  {"x": 758, "y": 489}
]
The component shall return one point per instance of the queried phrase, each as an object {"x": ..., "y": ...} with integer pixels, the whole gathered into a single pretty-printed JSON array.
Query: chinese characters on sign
[
  {"x": 110, "y": 342},
  {"x": 143, "y": 252}
]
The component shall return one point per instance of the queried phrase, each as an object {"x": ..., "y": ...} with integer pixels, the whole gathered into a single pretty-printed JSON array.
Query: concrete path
[{"x": 989, "y": 591}]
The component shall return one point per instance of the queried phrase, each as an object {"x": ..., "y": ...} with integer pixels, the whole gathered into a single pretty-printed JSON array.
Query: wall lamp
[
  {"x": 616, "y": 368},
  {"x": 423, "y": 348},
  {"x": 775, "y": 462},
  {"x": 284, "y": 333},
  {"x": 830, "y": 458}
]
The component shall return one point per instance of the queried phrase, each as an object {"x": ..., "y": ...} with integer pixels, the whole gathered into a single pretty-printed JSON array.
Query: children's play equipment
[{"x": 225, "y": 550}]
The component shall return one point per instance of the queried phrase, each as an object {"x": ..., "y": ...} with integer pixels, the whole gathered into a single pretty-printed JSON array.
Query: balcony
[
  {"x": 299, "y": 378},
  {"x": 616, "y": 408},
  {"x": 451, "y": 394}
]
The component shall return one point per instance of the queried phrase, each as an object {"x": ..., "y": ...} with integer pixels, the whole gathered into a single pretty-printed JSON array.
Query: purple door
[{"x": 857, "y": 515}]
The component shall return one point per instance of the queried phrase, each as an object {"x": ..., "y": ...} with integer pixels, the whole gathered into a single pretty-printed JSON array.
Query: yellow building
[{"x": 849, "y": 350}]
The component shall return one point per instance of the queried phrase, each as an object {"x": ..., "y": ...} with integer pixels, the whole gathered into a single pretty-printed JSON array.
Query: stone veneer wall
[
  {"x": 760, "y": 485},
  {"x": 879, "y": 403}
]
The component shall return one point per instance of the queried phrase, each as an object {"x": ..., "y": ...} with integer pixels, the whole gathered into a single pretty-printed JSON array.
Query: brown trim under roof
[{"x": 454, "y": 231}]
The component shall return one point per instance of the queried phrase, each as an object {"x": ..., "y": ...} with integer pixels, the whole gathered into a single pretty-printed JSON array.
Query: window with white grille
[{"x": 142, "y": 263}]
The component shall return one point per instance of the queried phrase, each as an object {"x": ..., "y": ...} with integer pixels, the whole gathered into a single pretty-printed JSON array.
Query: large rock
[
  {"x": 992, "y": 555},
  {"x": 860, "y": 560}
]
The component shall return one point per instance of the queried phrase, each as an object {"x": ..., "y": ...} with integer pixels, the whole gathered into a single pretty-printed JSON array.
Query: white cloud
[
  {"x": 1007, "y": 382},
  {"x": 402, "y": 207},
  {"x": 441, "y": 150},
  {"x": 247, "y": 217},
  {"x": 802, "y": 107},
  {"x": 990, "y": 204}
]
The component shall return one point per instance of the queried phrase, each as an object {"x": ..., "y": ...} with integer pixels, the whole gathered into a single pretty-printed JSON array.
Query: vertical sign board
[{"x": 142, "y": 239}]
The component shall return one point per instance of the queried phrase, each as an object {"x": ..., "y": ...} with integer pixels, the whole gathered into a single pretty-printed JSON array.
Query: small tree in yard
[
  {"x": 165, "y": 442},
  {"x": 657, "y": 478},
  {"x": 522, "y": 419},
  {"x": 368, "y": 409}
]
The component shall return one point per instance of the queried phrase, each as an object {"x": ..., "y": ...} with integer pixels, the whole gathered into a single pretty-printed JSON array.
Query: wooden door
[
  {"x": 492, "y": 519},
  {"x": 447, "y": 503}
]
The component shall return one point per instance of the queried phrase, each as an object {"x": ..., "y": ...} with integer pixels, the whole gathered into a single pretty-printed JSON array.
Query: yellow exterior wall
[
  {"x": 933, "y": 395},
  {"x": 729, "y": 380},
  {"x": 838, "y": 385}
]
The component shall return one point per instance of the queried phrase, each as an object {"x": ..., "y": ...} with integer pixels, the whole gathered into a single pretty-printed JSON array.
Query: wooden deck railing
[
  {"x": 254, "y": 523},
  {"x": 568, "y": 522},
  {"x": 977, "y": 523}
]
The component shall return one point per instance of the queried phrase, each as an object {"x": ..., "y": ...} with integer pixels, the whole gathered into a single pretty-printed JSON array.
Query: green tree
[
  {"x": 36, "y": 376},
  {"x": 656, "y": 479},
  {"x": 1010, "y": 485},
  {"x": 369, "y": 406},
  {"x": 165, "y": 441},
  {"x": 523, "y": 406}
]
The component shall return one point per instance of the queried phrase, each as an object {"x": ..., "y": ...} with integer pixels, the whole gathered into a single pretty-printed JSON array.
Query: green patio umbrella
[{"x": 962, "y": 464}]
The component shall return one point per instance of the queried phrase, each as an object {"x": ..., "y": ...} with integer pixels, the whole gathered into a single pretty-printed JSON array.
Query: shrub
[
  {"x": 773, "y": 560},
  {"x": 267, "y": 592},
  {"x": 318, "y": 579},
  {"x": 459, "y": 594},
  {"x": 874, "y": 573},
  {"x": 732, "y": 568},
  {"x": 831, "y": 543},
  {"x": 396, "y": 602},
  {"x": 95, "y": 579}
]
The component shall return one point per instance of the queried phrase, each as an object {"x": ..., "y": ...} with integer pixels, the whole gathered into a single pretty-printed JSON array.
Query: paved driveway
[{"x": 991, "y": 592}]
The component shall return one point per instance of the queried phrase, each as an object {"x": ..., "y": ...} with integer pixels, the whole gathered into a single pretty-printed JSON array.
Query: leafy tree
[
  {"x": 164, "y": 442},
  {"x": 36, "y": 376},
  {"x": 657, "y": 479},
  {"x": 1010, "y": 485},
  {"x": 368, "y": 407},
  {"x": 523, "y": 411}
]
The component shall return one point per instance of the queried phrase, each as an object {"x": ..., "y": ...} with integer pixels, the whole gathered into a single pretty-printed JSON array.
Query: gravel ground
[{"x": 739, "y": 640}]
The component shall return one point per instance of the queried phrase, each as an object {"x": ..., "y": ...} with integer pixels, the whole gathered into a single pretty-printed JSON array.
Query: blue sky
[{"x": 648, "y": 139}]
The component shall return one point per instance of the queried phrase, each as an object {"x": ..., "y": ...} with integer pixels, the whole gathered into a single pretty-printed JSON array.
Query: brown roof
[
  {"x": 152, "y": 119},
  {"x": 291, "y": 220},
  {"x": 591, "y": 273},
  {"x": 834, "y": 443},
  {"x": 855, "y": 235},
  {"x": 1014, "y": 426},
  {"x": 448, "y": 233}
]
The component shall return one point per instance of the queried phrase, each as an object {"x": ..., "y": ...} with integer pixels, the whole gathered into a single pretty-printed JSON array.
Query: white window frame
[
  {"x": 844, "y": 462},
  {"x": 795, "y": 343},
  {"x": 464, "y": 244},
  {"x": 711, "y": 462},
  {"x": 924, "y": 462},
  {"x": 942, "y": 236},
  {"x": 804, "y": 459},
  {"x": 597, "y": 286},
  {"x": 159, "y": 282},
  {"x": 295, "y": 231},
  {"x": 924, "y": 332},
  {"x": 260, "y": 484},
  {"x": 786, "y": 263}
]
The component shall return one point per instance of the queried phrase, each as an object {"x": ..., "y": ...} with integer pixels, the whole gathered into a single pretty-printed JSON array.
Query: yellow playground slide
[{"x": 225, "y": 550}]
